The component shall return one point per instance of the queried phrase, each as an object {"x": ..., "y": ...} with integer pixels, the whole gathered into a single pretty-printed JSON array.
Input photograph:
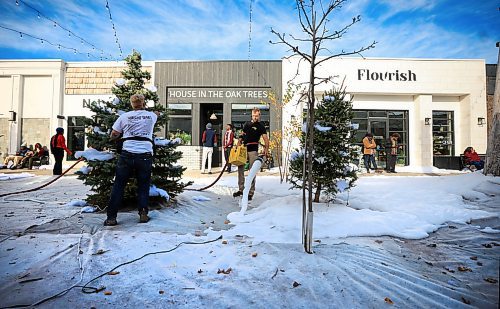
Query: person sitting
[
  {"x": 36, "y": 155},
  {"x": 472, "y": 158},
  {"x": 16, "y": 159}
]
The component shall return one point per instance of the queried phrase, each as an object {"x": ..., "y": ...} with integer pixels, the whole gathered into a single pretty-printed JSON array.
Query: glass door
[{"x": 379, "y": 128}]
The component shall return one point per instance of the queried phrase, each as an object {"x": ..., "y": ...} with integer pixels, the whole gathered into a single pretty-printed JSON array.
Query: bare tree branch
[{"x": 343, "y": 53}]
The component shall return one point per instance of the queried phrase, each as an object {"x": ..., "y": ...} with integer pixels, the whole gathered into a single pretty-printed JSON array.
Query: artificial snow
[
  {"x": 154, "y": 191},
  {"x": 78, "y": 203},
  {"x": 403, "y": 238},
  {"x": 92, "y": 154},
  {"x": 201, "y": 198},
  {"x": 4, "y": 176}
]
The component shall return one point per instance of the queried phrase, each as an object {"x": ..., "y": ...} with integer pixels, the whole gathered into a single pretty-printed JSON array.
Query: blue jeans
[
  {"x": 478, "y": 164},
  {"x": 130, "y": 164},
  {"x": 369, "y": 159}
]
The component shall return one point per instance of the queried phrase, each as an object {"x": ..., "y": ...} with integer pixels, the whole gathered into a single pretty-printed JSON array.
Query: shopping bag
[{"x": 238, "y": 155}]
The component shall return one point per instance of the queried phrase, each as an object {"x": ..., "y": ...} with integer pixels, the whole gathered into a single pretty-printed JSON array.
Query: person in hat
[
  {"x": 57, "y": 147},
  {"x": 209, "y": 141}
]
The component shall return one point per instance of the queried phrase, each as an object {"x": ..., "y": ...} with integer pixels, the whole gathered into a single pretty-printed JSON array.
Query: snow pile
[
  {"x": 4, "y": 176},
  {"x": 84, "y": 170},
  {"x": 154, "y": 191},
  {"x": 92, "y": 154},
  {"x": 201, "y": 198}
]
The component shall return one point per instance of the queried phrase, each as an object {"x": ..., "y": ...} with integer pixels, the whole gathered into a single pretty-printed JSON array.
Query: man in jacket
[{"x": 209, "y": 141}]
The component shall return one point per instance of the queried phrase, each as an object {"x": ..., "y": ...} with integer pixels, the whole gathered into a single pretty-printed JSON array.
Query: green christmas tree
[
  {"x": 334, "y": 149},
  {"x": 166, "y": 174}
]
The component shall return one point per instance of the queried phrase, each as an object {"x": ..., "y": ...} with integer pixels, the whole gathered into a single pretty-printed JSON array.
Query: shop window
[
  {"x": 382, "y": 123},
  {"x": 76, "y": 136},
  {"x": 241, "y": 113},
  {"x": 180, "y": 122},
  {"x": 443, "y": 133}
]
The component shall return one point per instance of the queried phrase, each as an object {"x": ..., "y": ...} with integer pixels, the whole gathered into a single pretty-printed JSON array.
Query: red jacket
[
  {"x": 228, "y": 139},
  {"x": 60, "y": 142},
  {"x": 472, "y": 156}
]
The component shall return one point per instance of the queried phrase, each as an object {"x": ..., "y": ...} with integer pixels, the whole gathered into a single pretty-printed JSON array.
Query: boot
[{"x": 143, "y": 216}]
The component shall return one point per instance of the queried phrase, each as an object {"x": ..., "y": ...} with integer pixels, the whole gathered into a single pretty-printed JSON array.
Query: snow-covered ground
[{"x": 404, "y": 241}]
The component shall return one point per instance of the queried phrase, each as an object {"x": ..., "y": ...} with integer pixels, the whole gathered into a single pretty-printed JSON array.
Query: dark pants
[
  {"x": 391, "y": 162},
  {"x": 369, "y": 159},
  {"x": 478, "y": 164},
  {"x": 130, "y": 164},
  {"x": 58, "y": 156},
  {"x": 227, "y": 152}
]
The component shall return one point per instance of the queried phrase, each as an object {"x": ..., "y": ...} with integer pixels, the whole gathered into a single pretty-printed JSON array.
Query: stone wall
[
  {"x": 35, "y": 130},
  {"x": 4, "y": 138},
  {"x": 93, "y": 80},
  {"x": 191, "y": 157}
]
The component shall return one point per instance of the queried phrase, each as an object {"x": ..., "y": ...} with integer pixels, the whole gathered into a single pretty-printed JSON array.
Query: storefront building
[
  {"x": 437, "y": 106},
  {"x": 216, "y": 92}
]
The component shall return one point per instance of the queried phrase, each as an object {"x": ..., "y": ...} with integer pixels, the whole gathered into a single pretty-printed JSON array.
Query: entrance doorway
[
  {"x": 213, "y": 113},
  {"x": 379, "y": 127}
]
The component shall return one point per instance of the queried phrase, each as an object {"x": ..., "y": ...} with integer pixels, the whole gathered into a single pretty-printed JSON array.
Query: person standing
[
  {"x": 391, "y": 149},
  {"x": 369, "y": 147},
  {"x": 227, "y": 144},
  {"x": 209, "y": 141},
  {"x": 57, "y": 147},
  {"x": 252, "y": 132},
  {"x": 136, "y": 158}
]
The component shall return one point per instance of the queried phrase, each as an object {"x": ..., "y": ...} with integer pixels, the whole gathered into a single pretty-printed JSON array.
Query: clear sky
[{"x": 219, "y": 29}]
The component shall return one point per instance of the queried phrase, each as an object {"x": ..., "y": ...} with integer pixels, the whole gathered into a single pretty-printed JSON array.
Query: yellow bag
[{"x": 238, "y": 155}]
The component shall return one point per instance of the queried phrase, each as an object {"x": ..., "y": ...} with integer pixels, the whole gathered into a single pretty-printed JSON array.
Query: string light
[
  {"x": 114, "y": 29},
  {"x": 58, "y": 46},
  {"x": 56, "y": 24}
]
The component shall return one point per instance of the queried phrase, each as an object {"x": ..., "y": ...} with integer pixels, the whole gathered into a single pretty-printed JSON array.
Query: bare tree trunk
[
  {"x": 317, "y": 194},
  {"x": 492, "y": 166}
]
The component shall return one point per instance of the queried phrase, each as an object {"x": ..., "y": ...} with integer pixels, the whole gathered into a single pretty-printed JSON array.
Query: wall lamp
[
  {"x": 427, "y": 121},
  {"x": 481, "y": 121}
]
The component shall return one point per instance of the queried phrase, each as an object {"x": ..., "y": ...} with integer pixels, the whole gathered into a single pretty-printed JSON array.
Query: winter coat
[{"x": 369, "y": 146}]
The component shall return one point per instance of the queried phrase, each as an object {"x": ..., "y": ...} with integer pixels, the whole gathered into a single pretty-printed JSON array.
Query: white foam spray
[{"x": 248, "y": 183}]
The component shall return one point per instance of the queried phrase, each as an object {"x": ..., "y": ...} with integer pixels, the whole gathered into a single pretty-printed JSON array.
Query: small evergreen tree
[
  {"x": 166, "y": 174},
  {"x": 334, "y": 148}
]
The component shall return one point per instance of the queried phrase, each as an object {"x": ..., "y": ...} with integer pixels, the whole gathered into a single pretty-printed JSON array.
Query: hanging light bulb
[
  {"x": 59, "y": 46},
  {"x": 88, "y": 55},
  {"x": 81, "y": 41},
  {"x": 41, "y": 41},
  {"x": 69, "y": 33},
  {"x": 74, "y": 51},
  {"x": 107, "y": 6},
  {"x": 38, "y": 14},
  {"x": 21, "y": 35},
  {"x": 55, "y": 24},
  {"x": 17, "y": 2}
]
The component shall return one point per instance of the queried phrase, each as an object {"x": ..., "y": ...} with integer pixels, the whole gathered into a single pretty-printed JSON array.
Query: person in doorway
[
  {"x": 209, "y": 141},
  {"x": 471, "y": 157},
  {"x": 57, "y": 147},
  {"x": 227, "y": 144},
  {"x": 252, "y": 132},
  {"x": 369, "y": 147},
  {"x": 136, "y": 157},
  {"x": 391, "y": 149}
]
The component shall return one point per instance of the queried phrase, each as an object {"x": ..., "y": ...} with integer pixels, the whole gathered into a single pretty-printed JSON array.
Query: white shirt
[{"x": 136, "y": 123}]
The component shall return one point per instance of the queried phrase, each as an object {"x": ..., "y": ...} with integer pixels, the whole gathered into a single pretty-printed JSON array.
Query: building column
[
  {"x": 422, "y": 136},
  {"x": 15, "y": 128}
]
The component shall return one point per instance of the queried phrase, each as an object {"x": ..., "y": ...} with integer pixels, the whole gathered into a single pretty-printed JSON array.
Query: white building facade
[{"x": 437, "y": 106}]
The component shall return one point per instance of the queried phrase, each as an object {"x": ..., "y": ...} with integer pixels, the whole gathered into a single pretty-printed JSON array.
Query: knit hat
[
  {"x": 209, "y": 125},
  {"x": 59, "y": 130}
]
